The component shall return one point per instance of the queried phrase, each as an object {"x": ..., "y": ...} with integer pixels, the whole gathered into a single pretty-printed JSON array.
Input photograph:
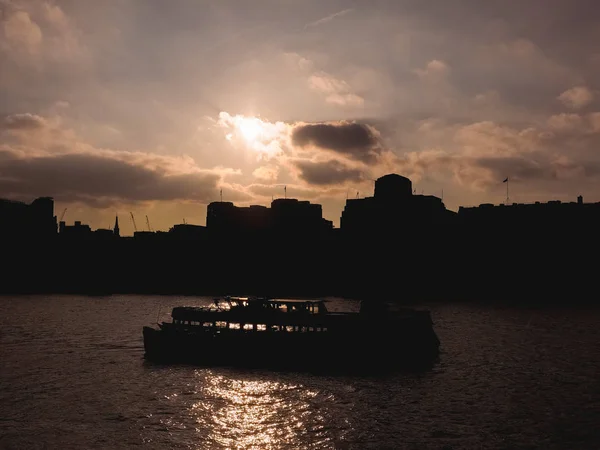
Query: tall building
[
  {"x": 394, "y": 208},
  {"x": 30, "y": 221},
  {"x": 284, "y": 215},
  {"x": 116, "y": 230}
]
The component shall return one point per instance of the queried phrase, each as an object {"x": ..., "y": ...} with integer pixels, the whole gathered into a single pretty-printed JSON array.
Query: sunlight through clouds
[{"x": 264, "y": 137}]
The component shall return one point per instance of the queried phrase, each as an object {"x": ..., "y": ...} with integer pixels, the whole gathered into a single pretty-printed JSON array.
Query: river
[{"x": 72, "y": 376}]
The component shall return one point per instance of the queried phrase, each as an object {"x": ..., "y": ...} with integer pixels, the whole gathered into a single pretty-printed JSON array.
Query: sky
[{"x": 158, "y": 108}]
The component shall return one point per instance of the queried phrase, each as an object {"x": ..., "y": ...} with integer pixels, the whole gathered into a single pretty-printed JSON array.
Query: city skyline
[
  {"x": 397, "y": 202},
  {"x": 156, "y": 109}
]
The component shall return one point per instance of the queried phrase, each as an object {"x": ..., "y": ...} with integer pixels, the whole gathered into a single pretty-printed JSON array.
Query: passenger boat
[{"x": 298, "y": 334}]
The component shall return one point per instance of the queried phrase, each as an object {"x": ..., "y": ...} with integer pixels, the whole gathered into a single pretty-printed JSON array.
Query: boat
[{"x": 295, "y": 334}]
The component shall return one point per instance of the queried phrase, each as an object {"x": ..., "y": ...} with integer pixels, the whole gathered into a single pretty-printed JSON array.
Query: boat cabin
[
  {"x": 282, "y": 305},
  {"x": 257, "y": 314}
]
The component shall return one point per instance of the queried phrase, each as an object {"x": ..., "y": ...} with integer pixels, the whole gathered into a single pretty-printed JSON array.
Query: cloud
[
  {"x": 357, "y": 141},
  {"x": 337, "y": 91},
  {"x": 566, "y": 122},
  {"x": 38, "y": 32},
  {"x": 73, "y": 171},
  {"x": 328, "y": 18},
  {"x": 327, "y": 173},
  {"x": 268, "y": 173},
  {"x": 20, "y": 32},
  {"x": 277, "y": 191},
  {"x": 24, "y": 121},
  {"x": 434, "y": 67},
  {"x": 267, "y": 138},
  {"x": 95, "y": 179},
  {"x": 577, "y": 97},
  {"x": 483, "y": 172}
]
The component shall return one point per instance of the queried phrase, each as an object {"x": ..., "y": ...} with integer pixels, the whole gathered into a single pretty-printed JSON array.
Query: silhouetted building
[
  {"x": 116, "y": 230},
  {"x": 284, "y": 215},
  {"x": 22, "y": 220},
  {"x": 292, "y": 215},
  {"x": 226, "y": 217},
  {"x": 187, "y": 231},
  {"x": 104, "y": 233},
  {"x": 532, "y": 218},
  {"x": 76, "y": 230},
  {"x": 393, "y": 208}
]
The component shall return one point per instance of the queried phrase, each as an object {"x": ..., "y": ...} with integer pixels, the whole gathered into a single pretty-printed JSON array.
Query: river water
[{"x": 72, "y": 376}]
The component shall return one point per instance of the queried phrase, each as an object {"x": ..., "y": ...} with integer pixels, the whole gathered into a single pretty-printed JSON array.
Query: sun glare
[
  {"x": 251, "y": 132},
  {"x": 250, "y": 128}
]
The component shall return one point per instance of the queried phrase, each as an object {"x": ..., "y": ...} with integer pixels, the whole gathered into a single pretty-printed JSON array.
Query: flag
[{"x": 505, "y": 180}]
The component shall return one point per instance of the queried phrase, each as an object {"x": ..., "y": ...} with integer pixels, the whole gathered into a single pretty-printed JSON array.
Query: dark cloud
[
  {"x": 25, "y": 121},
  {"x": 99, "y": 181},
  {"x": 537, "y": 168},
  {"x": 484, "y": 171},
  {"x": 355, "y": 140},
  {"x": 327, "y": 173}
]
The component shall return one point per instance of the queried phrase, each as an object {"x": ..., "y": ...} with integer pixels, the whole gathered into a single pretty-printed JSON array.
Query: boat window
[
  {"x": 207, "y": 324},
  {"x": 261, "y": 327},
  {"x": 274, "y": 327},
  {"x": 311, "y": 329},
  {"x": 221, "y": 324},
  {"x": 234, "y": 326},
  {"x": 289, "y": 328},
  {"x": 248, "y": 326}
]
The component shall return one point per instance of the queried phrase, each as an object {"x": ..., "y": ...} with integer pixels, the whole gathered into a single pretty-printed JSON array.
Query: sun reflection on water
[{"x": 246, "y": 413}]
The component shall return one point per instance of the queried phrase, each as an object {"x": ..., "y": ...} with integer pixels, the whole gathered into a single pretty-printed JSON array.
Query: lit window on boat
[
  {"x": 234, "y": 326},
  {"x": 207, "y": 324},
  {"x": 261, "y": 327},
  {"x": 248, "y": 326},
  {"x": 274, "y": 327},
  {"x": 221, "y": 324},
  {"x": 289, "y": 328}
]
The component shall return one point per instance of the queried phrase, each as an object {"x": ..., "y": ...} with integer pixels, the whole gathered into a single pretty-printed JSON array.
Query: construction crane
[
  {"x": 62, "y": 216},
  {"x": 148, "y": 224},
  {"x": 133, "y": 220}
]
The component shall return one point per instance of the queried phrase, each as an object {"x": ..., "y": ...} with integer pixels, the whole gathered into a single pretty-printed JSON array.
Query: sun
[{"x": 250, "y": 128}]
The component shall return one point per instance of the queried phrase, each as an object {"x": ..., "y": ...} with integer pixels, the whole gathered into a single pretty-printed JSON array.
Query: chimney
[{"x": 580, "y": 200}]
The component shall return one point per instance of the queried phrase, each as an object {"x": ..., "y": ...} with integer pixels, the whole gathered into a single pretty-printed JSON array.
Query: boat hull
[{"x": 356, "y": 349}]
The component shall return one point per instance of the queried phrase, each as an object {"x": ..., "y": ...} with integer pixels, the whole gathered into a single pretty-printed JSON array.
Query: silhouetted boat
[{"x": 292, "y": 334}]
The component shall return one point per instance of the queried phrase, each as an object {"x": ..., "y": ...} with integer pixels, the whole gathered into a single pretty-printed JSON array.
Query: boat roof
[
  {"x": 295, "y": 300},
  {"x": 274, "y": 300}
]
